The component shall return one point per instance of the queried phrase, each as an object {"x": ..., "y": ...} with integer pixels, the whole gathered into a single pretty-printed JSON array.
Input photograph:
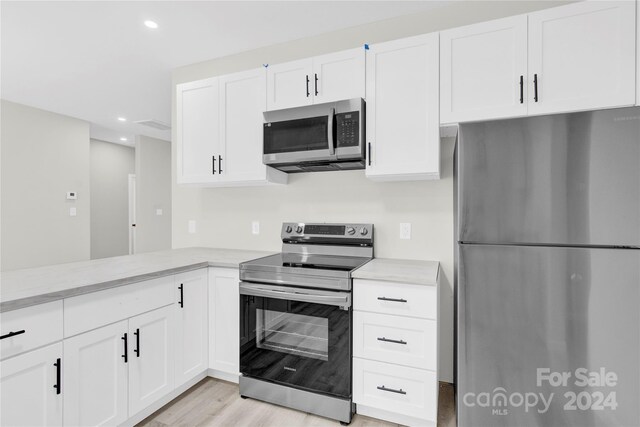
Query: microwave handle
[{"x": 332, "y": 115}]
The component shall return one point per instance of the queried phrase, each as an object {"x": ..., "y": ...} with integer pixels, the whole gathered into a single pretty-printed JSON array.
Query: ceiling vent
[{"x": 156, "y": 124}]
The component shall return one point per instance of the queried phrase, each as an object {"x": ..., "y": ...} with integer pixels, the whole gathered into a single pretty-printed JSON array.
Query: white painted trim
[
  {"x": 392, "y": 417},
  {"x": 225, "y": 376}
]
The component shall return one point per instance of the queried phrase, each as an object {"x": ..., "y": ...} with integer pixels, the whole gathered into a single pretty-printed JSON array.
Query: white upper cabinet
[
  {"x": 484, "y": 70},
  {"x": 198, "y": 132},
  {"x": 327, "y": 78},
  {"x": 339, "y": 76},
  {"x": 242, "y": 102},
  {"x": 582, "y": 56},
  {"x": 403, "y": 126}
]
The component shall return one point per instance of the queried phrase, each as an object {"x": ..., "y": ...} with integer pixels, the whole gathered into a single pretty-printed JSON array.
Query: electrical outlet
[
  {"x": 405, "y": 230},
  {"x": 255, "y": 227},
  {"x": 73, "y": 212},
  {"x": 192, "y": 226},
  {"x": 159, "y": 212}
]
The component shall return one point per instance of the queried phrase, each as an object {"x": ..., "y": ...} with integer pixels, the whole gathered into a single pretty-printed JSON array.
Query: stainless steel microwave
[{"x": 320, "y": 137}]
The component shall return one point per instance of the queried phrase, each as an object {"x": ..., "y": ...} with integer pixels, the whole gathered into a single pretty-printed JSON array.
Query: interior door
[
  {"x": 289, "y": 84},
  {"x": 556, "y": 309},
  {"x": 582, "y": 56},
  {"x": 27, "y": 390},
  {"x": 484, "y": 71},
  {"x": 95, "y": 377},
  {"x": 151, "y": 358},
  {"x": 338, "y": 76}
]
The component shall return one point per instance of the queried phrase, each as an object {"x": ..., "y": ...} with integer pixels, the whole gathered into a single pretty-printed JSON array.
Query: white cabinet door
[
  {"x": 582, "y": 56},
  {"x": 290, "y": 84},
  {"x": 191, "y": 335},
  {"x": 95, "y": 377},
  {"x": 339, "y": 76},
  {"x": 27, "y": 388},
  {"x": 197, "y": 132},
  {"x": 483, "y": 71},
  {"x": 243, "y": 99},
  {"x": 224, "y": 331},
  {"x": 638, "y": 54},
  {"x": 403, "y": 126},
  {"x": 151, "y": 363}
]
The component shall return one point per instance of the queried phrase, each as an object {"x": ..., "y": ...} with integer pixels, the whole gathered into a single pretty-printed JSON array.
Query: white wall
[
  {"x": 153, "y": 192},
  {"x": 111, "y": 165},
  {"x": 44, "y": 155},
  {"x": 224, "y": 215}
]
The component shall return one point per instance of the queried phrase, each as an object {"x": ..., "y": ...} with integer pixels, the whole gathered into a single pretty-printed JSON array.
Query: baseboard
[
  {"x": 163, "y": 401},
  {"x": 392, "y": 417},
  {"x": 222, "y": 375}
]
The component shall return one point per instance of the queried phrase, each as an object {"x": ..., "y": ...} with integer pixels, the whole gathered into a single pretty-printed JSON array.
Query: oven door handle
[
  {"x": 304, "y": 295},
  {"x": 332, "y": 115}
]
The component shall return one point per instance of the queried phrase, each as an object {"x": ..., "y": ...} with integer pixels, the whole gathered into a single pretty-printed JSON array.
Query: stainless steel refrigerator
[{"x": 548, "y": 271}]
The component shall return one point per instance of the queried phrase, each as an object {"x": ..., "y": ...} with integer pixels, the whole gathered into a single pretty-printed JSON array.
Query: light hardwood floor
[{"x": 213, "y": 402}]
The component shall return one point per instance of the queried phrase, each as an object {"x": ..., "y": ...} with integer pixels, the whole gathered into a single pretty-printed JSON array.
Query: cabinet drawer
[
  {"x": 394, "y": 339},
  {"x": 395, "y": 298},
  {"x": 42, "y": 324},
  {"x": 90, "y": 311},
  {"x": 408, "y": 391}
]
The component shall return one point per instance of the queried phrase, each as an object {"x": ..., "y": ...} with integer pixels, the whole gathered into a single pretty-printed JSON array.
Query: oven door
[{"x": 296, "y": 337}]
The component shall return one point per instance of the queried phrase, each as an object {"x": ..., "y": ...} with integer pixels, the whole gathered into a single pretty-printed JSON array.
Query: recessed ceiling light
[
  {"x": 123, "y": 139},
  {"x": 151, "y": 24},
  {"x": 122, "y": 119}
]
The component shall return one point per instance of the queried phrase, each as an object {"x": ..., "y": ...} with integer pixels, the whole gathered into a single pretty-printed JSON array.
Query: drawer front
[
  {"x": 395, "y": 298},
  {"x": 394, "y": 339},
  {"x": 90, "y": 311},
  {"x": 42, "y": 324},
  {"x": 409, "y": 391}
]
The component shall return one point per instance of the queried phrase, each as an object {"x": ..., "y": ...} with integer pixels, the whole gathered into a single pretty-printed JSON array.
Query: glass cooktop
[{"x": 316, "y": 262}]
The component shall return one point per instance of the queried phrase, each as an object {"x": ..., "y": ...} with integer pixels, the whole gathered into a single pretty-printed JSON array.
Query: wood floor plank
[{"x": 214, "y": 402}]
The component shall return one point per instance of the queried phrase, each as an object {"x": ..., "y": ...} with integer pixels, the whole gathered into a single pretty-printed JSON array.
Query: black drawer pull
[
  {"x": 308, "y": 93},
  {"x": 535, "y": 87},
  {"x": 391, "y": 390},
  {"x": 12, "y": 334},
  {"x": 390, "y": 340},
  {"x": 392, "y": 299},
  {"x": 57, "y": 386},
  {"x": 213, "y": 165},
  {"x": 181, "y": 302},
  {"x": 521, "y": 89},
  {"x": 316, "y": 75},
  {"x": 137, "y": 349},
  {"x": 369, "y": 157},
  {"x": 219, "y": 164},
  {"x": 125, "y": 356}
]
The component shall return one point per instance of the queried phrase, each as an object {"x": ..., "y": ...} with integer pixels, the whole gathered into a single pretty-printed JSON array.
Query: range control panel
[
  {"x": 321, "y": 231},
  {"x": 348, "y": 129}
]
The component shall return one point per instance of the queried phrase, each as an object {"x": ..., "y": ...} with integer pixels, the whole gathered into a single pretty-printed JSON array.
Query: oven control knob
[
  {"x": 351, "y": 231},
  {"x": 364, "y": 231},
  {"x": 288, "y": 229},
  {"x": 299, "y": 229}
]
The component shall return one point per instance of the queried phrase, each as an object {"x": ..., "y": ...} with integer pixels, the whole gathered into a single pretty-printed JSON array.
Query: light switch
[
  {"x": 405, "y": 230},
  {"x": 158, "y": 212},
  {"x": 72, "y": 212},
  {"x": 255, "y": 227},
  {"x": 192, "y": 226}
]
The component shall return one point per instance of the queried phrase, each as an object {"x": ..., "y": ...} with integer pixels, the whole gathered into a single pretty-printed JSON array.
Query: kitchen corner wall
[
  {"x": 44, "y": 155},
  {"x": 153, "y": 194},
  {"x": 223, "y": 216}
]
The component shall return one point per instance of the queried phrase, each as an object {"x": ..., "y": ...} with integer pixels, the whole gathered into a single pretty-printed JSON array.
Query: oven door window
[
  {"x": 296, "y": 135},
  {"x": 300, "y": 344}
]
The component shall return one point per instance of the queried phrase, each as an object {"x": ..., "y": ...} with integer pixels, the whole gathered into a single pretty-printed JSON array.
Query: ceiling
[{"x": 96, "y": 60}]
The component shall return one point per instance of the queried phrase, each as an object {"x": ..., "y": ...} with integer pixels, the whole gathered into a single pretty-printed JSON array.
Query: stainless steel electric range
[{"x": 296, "y": 318}]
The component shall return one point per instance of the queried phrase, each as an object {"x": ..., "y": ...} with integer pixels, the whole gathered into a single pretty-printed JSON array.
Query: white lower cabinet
[
  {"x": 150, "y": 357},
  {"x": 224, "y": 320},
  {"x": 96, "y": 377},
  {"x": 28, "y": 392},
  {"x": 191, "y": 338}
]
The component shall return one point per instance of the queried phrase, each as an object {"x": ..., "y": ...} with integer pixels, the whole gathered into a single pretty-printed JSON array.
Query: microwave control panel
[{"x": 348, "y": 129}]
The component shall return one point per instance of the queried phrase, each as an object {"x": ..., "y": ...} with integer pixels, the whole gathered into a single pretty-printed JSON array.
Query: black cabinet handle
[
  {"x": 316, "y": 76},
  {"x": 369, "y": 156},
  {"x": 219, "y": 164},
  {"x": 535, "y": 87},
  {"x": 125, "y": 356},
  {"x": 390, "y": 340},
  {"x": 57, "y": 385},
  {"x": 213, "y": 164},
  {"x": 521, "y": 89},
  {"x": 137, "y": 350},
  {"x": 308, "y": 93},
  {"x": 181, "y": 302},
  {"x": 391, "y": 390},
  {"x": 392, "y": 299},
  {"x": 12, "y": 334}
]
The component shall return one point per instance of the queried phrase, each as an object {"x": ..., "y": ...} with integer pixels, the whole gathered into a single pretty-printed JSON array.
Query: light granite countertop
[
  {"x": 23, "y": 288},
  {"x": 400, "y": 270}
]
